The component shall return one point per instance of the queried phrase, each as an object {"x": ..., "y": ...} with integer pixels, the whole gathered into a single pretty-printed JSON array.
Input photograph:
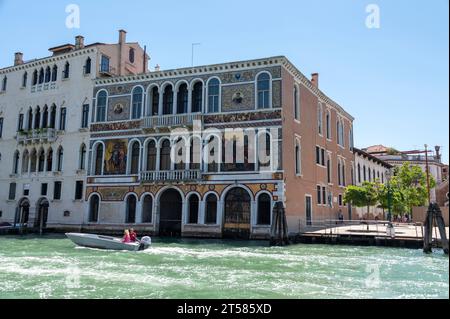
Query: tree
[
  {"x": 396, "y": 198},
  {"x": 362, "y": 196}
]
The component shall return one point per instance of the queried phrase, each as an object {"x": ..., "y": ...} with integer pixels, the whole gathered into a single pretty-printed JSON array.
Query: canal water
[{"x": 52, "y": 267}]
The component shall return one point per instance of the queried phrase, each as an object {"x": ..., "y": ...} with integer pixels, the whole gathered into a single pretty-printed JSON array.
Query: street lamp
[{"x": 388, "y": 178}]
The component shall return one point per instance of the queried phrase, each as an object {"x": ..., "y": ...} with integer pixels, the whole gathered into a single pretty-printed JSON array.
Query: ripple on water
[{"x": 53, "y": 268}]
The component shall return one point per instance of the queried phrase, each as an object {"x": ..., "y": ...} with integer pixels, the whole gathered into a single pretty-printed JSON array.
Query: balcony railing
[
  {"x": 36, "y": 136},
  {"x": 164, "y": 176},
  {"x": 171, "y": 120}
]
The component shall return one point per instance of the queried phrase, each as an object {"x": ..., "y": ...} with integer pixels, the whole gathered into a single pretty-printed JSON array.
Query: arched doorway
[
  {"x": 23, "y": 212},
  {"x": 237, "y": 214},
  {"x": 170, "y": 212},
  {"x": 42, "y": 214}
]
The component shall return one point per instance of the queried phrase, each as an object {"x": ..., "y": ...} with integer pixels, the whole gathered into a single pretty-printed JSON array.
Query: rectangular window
[
  {"x": 104, "y": 67},
  {"x": 57, "y": 191},
  {"x": 340, "y": 200},
  {"x": 44, "y": 187},
  {"x": 1, "y": 127},
  {"x": 322, "y": 154},
  {"x": 329, "y": 170},
  {"x": 12, "y": 191},
  {"x": 324, "y": 195},
  {"x": 319, "y": 195},
  {"x": 317, "y": 155},
  {"x": 62, "y": 119},
  {"x": 85, "y": 116},
  {"x": 79, "y": 190}
]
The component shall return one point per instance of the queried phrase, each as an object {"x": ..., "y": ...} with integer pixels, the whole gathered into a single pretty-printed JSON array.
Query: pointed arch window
[
  {"x": 33, "y": 161},
  {"x": 88, "y": 66},
  {"x": 54, "y": 73},
  {"x": 24, "y": 79},
  {"x": 41, "y": 76},
  {"x": 52, "y": 122},
  {"x": 66, "y": 72},
  {"x": 25, "y": 161},
  {"x": 50, "y": 160},
  {"x": 45, "y": 117},
  {"x": 59, "y": 163},
  {"x": 37, "y": 118},
  {"x": 48, "y": 74},
  {"x": 35, "y": 77},
  {"x": 16, "y": 162},
  {"x": 41, "y": 161}
]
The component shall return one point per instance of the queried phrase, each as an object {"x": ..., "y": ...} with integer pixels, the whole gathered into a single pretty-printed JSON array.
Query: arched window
[
  {"x": 48, "y": 74},
  {"x": 131, "y": 210},
  {"x": 154, "y": 102},
  {"x": 98, "y": 168},
  {"x": 35, "y": 77},
  {"x": 131, "y": 55},
  {"x": 30, "y": 119},
  {"x": 59, "y": 163},
  {"x": 339, "y": 167},
  {"x": 213, "y": 95},
  {"x": 165, "y": 156},
  {"x": 50, "y": 160},
  {"x": 359, "y": 173},
  {"x": 263, "y": 91},
  {"x": 135, "y": 152},
  {"x": 182, "y": 99},
  {"x": 4, "y": 83},
  {"x": 41, "y": 161},
  {"x": 45, "y": 117},
  {"x": 180, "y": 149},
  {"x": 195, "y": 152},
  {"x": 54, "y": 73},
  {"x": 25, "y": 161},
  {"x": 33, "y": 160},
  {"x": 329, "y": 169},
  {"x": 265, "y": 150},
  {"x": 136, "y": 110},
  {"x": 94, "y": 205},
  {"x": 102, "y": 97},
  {"x": 41, "y": 76},
  {"x": 151, "y": 156},
  {"x": 66, "y": 70},
  {"x": 328, "y": 124},
  {"x": 296, "y": 104},
  {"x": 298, "y": 158},
  {"x": 319, "y": 119},
  {"x": 168, "y": 100},
  {"x": 211, "y": 209},
  {"x": 24, "y": 79},
  {"x": 82, "y": 164},
  {"x": 344, "y": 182},
  {"x": 193, "y": 209},
  {"x": 37, "y": 118},
  {"x": 16, "y": 162},
  {"x": 197, "y": 97},
  {"x": 147, "y": 209},
  {"x": 264, "y": 209},
  {"x": 52, "y": 123},
  {"x": 88, "y": 66},
  {"x": 365, "y": 173},
  {"x": 212, "y": 153}
]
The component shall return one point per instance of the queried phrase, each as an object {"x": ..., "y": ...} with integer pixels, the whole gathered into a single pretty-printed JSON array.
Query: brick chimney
[
  {"x": 122, "y": 36},
  {"x": 79, "y": 42},
  {"x": 315, "y": 79},
  {"x": 18, "y": 58}
]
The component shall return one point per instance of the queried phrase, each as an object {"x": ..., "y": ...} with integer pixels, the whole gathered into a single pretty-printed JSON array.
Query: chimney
[
  {"x": 157, "y": 68},
  {"x": 18, "y": 58},
  {"x": 79, "y": 42},
  {"x": 315, "y": 79},
  {"x": 122, "y": 36},
  {"x": 438, "y": 153}
]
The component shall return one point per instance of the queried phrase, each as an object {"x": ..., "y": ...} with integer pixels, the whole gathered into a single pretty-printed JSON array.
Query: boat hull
[{"x": 102, "y": 242}]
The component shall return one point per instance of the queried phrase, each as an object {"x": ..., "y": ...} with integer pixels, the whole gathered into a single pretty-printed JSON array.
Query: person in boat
[
  {"x": 133, "y": 235},
  {"x": 126, "y": 237}
]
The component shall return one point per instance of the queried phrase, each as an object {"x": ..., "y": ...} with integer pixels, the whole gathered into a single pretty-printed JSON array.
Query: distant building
[
  {"x": 415, "y": 157},
  {"x": 369, "y": 168}
]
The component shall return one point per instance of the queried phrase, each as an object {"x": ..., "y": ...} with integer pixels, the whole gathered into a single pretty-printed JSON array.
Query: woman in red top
[
  {"x": 126, "y": 237},
  {"x": 133, "y": 235}
]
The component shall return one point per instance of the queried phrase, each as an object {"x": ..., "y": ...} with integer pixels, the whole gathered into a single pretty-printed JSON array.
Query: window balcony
[
  {"x": 177, "y": 120},
  {"x": 36, "y": 136},
  {"x": 171, "y": 176}
]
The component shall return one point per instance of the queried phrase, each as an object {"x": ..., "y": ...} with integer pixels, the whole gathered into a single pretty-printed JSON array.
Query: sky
[{"x": 393, "y": 79}]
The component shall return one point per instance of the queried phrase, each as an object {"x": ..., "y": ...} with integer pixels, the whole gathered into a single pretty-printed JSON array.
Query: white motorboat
[{"x": 107, "y": 242}]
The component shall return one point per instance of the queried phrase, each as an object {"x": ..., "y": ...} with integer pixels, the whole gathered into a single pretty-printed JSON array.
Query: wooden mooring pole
[
  {"x": 279, "y": 231},
  {"x": 434, "y": 214}
]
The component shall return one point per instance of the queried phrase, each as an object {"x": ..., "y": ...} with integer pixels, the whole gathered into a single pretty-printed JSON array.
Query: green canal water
[{"x": 52, "y": 267}]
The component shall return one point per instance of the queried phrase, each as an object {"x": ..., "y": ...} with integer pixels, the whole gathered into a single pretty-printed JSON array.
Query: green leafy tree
[
  {"x": 362, "y": 196},
  {"x": 396, "y": 199}
]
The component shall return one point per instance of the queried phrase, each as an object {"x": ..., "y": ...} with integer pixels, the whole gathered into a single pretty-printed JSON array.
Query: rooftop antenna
[{"x": 193, "y": 46}]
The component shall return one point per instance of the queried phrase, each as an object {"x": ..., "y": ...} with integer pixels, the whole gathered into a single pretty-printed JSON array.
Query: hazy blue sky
[{"x": 394, "y": 80}]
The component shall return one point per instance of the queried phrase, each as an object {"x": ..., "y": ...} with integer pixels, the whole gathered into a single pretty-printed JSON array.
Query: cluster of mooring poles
[
  {"x": 279, "y": 230},
  {"x": 434, "y": 217}
]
